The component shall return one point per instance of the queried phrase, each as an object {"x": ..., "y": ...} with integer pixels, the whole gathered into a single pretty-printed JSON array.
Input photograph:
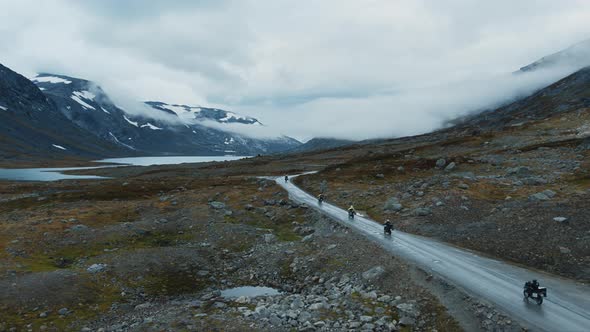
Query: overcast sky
[{"x": 342, "y": 68}]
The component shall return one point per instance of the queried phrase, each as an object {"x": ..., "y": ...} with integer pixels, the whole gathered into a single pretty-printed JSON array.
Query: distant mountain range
[
  {"x": 60, "y": 114},
  {"x": 55, "y": 115}
]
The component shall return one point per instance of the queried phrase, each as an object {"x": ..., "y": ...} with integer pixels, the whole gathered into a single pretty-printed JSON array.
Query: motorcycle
[
  {"x": 387, "y": 228},
  {"x": 320, "y": 200},
  {"x": 532, "y": 291},
  {"x": 351, "y": 214}
]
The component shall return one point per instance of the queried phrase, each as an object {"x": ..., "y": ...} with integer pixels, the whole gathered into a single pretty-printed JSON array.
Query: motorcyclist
[
  {"x": 535, "y": 285},
  {"x": 387, "y": 227},
  {"x": 286, "y": 178},
  {"x": 351, "y": 211},
  {"x": 321, "y": 198}
]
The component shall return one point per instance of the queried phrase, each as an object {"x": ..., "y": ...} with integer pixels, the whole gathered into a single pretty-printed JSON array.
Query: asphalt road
[{"x": 566, "y": 307}]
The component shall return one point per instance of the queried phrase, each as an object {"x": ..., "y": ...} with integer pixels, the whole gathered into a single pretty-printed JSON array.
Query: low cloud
[{"x": 339, "y": 68}]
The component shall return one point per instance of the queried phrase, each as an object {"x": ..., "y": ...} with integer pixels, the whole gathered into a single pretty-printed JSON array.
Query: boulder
[
  {"x": 520, "y": 171},
  {"x": 393, "y": 204},
  {"x": 422, "y": 212},
  {"x": 451, "y": 166},
  {"x": 560, "y": 219},
  {"x": 373, "y": 273},
  {"x": 441, "y": 163},
  {"x": 542, "y": 196},
  {"x": 96, "y": 268},
  {"x": 79, "y": 228},
  {"x": 270, "y": 238},
  {"x": 217, "y": 205}
]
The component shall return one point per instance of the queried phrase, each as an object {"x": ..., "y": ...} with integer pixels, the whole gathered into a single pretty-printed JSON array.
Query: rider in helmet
[
  {"x": 387, "y": 226},
  {"x": 320, "y": 197},
  {"x": 286, "y": 178},
  {"x": 535, "y": 285}
]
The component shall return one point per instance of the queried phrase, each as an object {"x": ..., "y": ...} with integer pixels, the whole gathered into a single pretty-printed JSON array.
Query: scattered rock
[
  {"x": 63, "y": 311},
  {"x": 380, "y": 176},
  {"x": 441, "y": 163},
  {"x": 560, "y": 219}
]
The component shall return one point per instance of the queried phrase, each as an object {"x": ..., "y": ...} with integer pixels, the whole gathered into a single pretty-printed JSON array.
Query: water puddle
[{"x": 249, "y": 291}]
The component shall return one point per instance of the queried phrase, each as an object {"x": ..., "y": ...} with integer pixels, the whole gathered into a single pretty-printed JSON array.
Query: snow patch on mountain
[
  {"x": 107, "y": 112},
  {"x": 151, "y": 126},
  {"x": 58, "y": 147},
  {"x": 85, "y": 94},
  {"x": 50, "y": 79},
  {"x": 117, "y": 140},
  {"x": 3, "y": 108},
  {"x": 131, "y": 122},
  {"x": 77, "y": 96}
]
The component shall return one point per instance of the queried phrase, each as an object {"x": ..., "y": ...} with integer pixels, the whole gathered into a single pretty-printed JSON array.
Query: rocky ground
[{"x": 152, "y": 252}]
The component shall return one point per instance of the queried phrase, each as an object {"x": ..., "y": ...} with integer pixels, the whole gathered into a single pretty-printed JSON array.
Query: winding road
[{"x": 566, "y": 307}]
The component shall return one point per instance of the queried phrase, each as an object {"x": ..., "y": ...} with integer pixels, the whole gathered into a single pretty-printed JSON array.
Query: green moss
[
  {"x": 103, "y": 296},
  {"x": 170, "y": 283},
  {"x": 64, "y": 257}
]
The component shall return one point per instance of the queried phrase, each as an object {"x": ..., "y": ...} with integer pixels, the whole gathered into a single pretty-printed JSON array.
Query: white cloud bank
[{"x": 342, "y": 68}]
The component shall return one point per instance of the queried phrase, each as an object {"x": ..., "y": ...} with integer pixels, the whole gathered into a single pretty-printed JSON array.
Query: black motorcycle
[
  {"x": 351, "y": 214},
  {"x": 387, "y": 228},
  {"x": 533, "y": 291},
  {"x": 320, "y": 200}
]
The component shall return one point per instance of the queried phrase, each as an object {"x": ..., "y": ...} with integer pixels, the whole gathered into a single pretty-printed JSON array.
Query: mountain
[
  {"x": 31, "y": 125},
  {"x": 576, "y": 56},
  {"x": 161, "y": 129},
  {"x": 321, "y": 144}
]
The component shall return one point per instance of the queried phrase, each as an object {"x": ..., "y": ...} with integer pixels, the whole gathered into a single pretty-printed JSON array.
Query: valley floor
[{"x": 151, "y": 248}]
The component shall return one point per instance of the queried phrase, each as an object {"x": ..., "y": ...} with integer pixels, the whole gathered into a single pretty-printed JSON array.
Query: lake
[{"x": 55, "y": 174}]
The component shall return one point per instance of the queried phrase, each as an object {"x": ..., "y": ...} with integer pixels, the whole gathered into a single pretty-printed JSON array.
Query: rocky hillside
[
  {"x": 30, "y": 124},
  {"x": 178, "y": 129}
]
